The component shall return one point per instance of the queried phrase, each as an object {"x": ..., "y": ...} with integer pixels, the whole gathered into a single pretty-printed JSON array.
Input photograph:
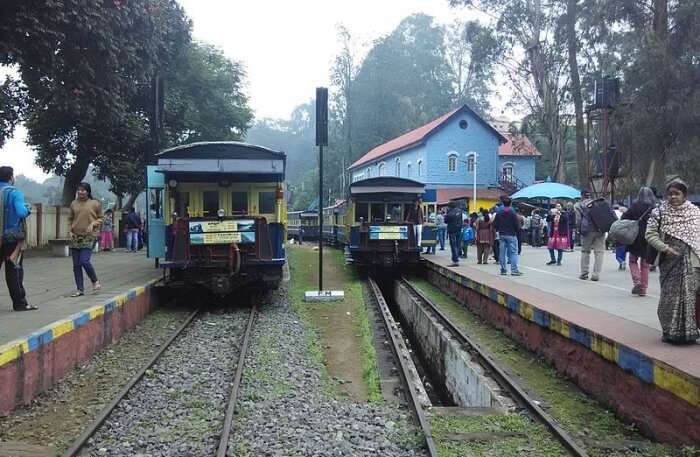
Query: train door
[{"x": 156, "y": 220}]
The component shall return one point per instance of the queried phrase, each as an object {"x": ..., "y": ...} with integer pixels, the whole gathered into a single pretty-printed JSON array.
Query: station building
[{"x": 447, "y": 152}]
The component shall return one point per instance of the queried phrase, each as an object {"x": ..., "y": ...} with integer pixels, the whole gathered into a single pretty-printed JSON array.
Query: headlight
[{"x": 221, "y": 213}]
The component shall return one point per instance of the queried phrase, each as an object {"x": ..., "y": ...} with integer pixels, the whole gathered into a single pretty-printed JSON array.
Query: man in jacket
[
  {"x": 453, "y": 219},
  {"x": 591, "y": 238},
  {"x": 13, "y": 211},
  {"x": 441, "y": 228},
  {"x": 133, "y": 227},
  {"x": 507, "y": 225},
  {"x": 415, "y": 217}
]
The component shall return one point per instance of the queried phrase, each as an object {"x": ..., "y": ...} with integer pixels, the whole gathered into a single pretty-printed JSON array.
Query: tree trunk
[
  {"x": 74, "y": 177},
  {"x": 572, "y": 41},
  {"x": 130, "y": 202}
]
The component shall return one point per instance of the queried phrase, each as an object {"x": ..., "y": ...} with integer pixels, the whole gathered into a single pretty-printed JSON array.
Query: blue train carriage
[
  {"x": 217, "y": 215},
  {"x": 378, "y": 235},
  {"x": 303, "y": 220},
  {"x": 334, "y": 223}
]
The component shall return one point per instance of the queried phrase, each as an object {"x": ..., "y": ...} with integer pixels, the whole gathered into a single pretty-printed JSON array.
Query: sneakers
[
  {"x": 635, "y": 290},
  {"x": 516, "y": 273},
  {"x": 504, "y": 273},
  {"x": 594, "y": 278},
  {"x": 551, "y": 262},
  {"x": 583, "y": 276},
  {"x": 453, "y": 264}
]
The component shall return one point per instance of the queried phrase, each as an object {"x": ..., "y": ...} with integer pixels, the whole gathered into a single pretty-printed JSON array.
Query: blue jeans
[
  {"x": 132, "y": 240},
  {"x": 620, "y": 253},
  {"x": 455, "y": 245},
  {"x": 441, "y": 237},
  {"x": 508, "y": 247},
  {"x": 81, "y": 260}
]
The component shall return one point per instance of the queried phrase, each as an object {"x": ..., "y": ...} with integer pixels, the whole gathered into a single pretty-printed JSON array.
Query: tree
[
  {"x": 472, "y": 51},
  {"x": 13, "y": 104},
  {"x": 83, "y": 64}
]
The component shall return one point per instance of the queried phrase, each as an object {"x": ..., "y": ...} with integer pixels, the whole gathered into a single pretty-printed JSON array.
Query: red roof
[
  {"x": 414, "y": 137},
  {"x": 445, "y": 195},
  {"x": 517, "y": 145}
]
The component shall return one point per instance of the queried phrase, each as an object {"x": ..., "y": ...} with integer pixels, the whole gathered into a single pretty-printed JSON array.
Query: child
[{"x": 467, "y": 238}]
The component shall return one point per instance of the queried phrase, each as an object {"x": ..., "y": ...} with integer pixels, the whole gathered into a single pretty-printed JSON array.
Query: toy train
[{"x": 217, "y": 215}]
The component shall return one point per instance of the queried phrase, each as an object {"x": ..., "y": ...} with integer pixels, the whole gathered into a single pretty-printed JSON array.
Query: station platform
[
  {"x": 597, "y": 333},
  {"x": 39, "y": 347}
]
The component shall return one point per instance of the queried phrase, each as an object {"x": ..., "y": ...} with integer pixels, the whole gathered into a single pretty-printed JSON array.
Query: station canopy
[{"x": 547, "y": 190}]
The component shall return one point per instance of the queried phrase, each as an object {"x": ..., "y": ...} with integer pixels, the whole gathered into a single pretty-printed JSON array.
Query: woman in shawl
[
  {"x": 639, "y": 267},
  {"x": 674, "y": 231},
  {"x": 558, "y": 229}
]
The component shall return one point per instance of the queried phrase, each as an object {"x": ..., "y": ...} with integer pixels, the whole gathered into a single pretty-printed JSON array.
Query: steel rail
[
  {"x": 230, "y": 410},
  {"x": 412, "y": 394},
  {"x": 517, "y": 392},
  {"x": 80, "y": 442}
]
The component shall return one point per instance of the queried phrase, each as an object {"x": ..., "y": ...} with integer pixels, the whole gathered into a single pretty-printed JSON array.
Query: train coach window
[
  {"x": 378, "y": 212},
  {"x": 361, "y": 212},
  {"x": 211, "y": 203},
  {"x": 239, "y": 202},
  {"x": 154, "y": 200},
  {"x": 266, "y": 202},
  {"x": 182, "y": 202}
]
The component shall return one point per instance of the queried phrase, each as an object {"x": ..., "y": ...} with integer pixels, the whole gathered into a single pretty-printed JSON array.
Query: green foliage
[{"x": 13, "y": 103}]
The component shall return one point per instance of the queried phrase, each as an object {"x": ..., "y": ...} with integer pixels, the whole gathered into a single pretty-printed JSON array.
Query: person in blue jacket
[{"x": 13, "y": 211}]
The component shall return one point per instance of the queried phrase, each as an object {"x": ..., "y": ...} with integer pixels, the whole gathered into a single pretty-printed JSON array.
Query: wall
[
  {"x": 523, "y": 167},
  {"x": 41, "y": 224}
]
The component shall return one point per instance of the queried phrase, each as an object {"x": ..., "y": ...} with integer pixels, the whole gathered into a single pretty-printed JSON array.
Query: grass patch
[
  {"x": 535, "y": 439},
  {"x": 582, "y": 416}
]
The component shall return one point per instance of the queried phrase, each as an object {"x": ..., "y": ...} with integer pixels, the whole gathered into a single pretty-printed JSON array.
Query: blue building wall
[{"x": 452, "y": 140}]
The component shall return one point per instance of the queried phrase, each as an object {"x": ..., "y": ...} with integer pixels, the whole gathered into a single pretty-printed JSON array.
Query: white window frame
[
  {"x": 368, "y": 172},
  {"x": 452, "y": 162},
  {"x": 381, "y": 167},
  {"x": 408, "y": 170},
  {"x": 397, "y": 167},
  {"x": 510, "y": 165},
  {"x": 420, "y": 167},
  {"x": 471, "y": 162}
]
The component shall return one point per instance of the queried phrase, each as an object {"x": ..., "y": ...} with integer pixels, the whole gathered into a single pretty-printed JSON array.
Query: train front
[
  {"x": 217, "y": 215},
  {"x": 379, "y": 235}
]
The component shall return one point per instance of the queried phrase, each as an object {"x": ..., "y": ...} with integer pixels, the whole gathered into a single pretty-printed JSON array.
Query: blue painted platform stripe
[
  {"x": 14, "y": 349},
  {"x": 637, "y": 363},
  {"x": 630, "y": 360}
]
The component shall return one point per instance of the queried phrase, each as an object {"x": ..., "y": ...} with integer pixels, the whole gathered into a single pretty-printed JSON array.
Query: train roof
[
  {"x": 387, "y": 184},
  {"x": 222, "y": 160}
]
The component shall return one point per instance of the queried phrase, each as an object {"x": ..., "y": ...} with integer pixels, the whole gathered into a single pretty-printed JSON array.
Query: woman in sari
[{"x": 674, "y": 231}]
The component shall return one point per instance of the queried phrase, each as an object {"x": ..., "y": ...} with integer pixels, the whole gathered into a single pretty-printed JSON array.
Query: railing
[{"x": 509, "y": 183}]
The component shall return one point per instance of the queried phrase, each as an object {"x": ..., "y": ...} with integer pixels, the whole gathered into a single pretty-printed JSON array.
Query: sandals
[{"x": 26, "y": 308}]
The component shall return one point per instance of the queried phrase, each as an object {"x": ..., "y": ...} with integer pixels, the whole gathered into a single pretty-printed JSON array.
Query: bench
[{"x": 60, "y": 247}]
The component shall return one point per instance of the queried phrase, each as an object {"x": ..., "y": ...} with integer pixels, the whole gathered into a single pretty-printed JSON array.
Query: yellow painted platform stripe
[
  {"x": 119, "y": 300},
  {"x": 501, "y": 299},
  {"x": 61, "y": 327},
  {"x": 678, "y": 384},
  {"x": 526, "y": 310},
  {"x": 11, "y": 351},
  {"x": 96, "y": 311},
  {"x": 605, "y": 348},
  {"x": 139, "y": 290}
]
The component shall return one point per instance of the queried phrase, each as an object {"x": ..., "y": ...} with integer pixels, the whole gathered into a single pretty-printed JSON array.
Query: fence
[{"x": 51, "y": 222}]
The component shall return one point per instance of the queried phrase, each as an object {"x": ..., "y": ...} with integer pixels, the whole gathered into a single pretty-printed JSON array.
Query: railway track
[
  {"x": 82, "y": 443},
  {"x": 496, "y": 372}
]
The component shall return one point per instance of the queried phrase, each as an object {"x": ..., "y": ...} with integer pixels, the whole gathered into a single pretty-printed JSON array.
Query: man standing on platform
[
  {"x": 13, "y": 212},
  {"x": 507, "y": 225},
  {"x": 591, "y": 238},
  {"x": 453, "y": 219},
  {"x": 415, "y": 217}
]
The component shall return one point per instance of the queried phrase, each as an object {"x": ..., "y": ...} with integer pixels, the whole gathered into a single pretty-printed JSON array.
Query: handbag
[{"x": 626, "y": 231}]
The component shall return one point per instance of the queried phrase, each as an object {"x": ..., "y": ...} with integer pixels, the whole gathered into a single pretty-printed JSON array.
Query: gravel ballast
[
  {"x": 285, "y": 409},
  {"x": 178, "y": 408}
]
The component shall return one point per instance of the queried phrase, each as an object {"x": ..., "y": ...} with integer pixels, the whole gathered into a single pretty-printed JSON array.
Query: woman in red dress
[{"x": 559, "y": 235}]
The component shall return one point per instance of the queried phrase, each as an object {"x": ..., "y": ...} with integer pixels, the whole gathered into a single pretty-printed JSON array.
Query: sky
[{"x": 287, "y": 48}]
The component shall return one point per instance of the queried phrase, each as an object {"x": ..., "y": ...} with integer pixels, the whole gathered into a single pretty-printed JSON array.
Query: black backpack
[{"x": 601, "y": 215}]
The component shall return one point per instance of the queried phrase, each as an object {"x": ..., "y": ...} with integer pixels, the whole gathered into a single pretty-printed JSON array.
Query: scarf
[{"x": 682, "y": 222}]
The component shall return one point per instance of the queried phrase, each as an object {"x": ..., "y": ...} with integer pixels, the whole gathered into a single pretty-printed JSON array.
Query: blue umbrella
[{"x": 547, "y": 190}]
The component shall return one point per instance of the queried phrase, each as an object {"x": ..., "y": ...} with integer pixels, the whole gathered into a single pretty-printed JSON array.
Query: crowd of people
[
  {"x": 88, "y": 227},
  {"x": 665, "y": 233}
]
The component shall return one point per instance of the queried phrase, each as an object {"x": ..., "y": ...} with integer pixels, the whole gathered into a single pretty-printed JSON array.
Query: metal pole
[
  {"x": 320, "y": 218},
  {"x": 474, "y": 209}
]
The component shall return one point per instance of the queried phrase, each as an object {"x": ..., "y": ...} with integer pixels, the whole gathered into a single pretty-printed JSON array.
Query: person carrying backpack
[
  {"x": 453, "y": 219},
  {"x": 593, "y": 219},
  {"x": 467, "y": 237},
  {"x": 13, "y": 212}
]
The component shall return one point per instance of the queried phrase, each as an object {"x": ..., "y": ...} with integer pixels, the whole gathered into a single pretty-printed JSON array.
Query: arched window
[
  {"x": 452, "y": 162},
  {"x": 381, "y": 169},
  {"x": 508, "y": 171},
  {"x": 369, "y": 172},
  {"x": 420, "y": 168},
  {"x": 408, "y": 170},
  {"x": 470, "y": 163},
  {"x": 397, "y": 171}
]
